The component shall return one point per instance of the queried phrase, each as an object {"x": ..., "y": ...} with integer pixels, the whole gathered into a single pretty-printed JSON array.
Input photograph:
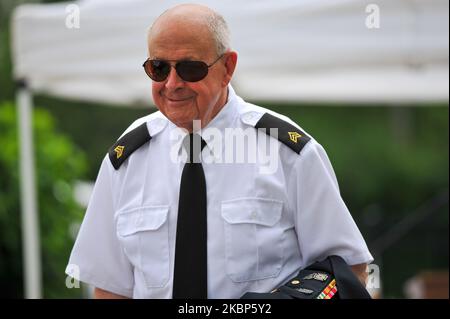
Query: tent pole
[{"x": 30, "y": 222}]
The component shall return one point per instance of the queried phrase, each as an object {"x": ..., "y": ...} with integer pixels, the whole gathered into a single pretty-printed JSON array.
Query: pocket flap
[
  {"x": 141, "y": 219},
  {"x": 266, "y": 212}
]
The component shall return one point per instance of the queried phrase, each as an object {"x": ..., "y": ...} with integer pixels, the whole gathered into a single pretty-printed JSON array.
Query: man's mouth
[{"x": 178, "y": 99}]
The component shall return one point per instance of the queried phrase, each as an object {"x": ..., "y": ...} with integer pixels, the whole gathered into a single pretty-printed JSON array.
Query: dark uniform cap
[{"x": 330, "y": 278}]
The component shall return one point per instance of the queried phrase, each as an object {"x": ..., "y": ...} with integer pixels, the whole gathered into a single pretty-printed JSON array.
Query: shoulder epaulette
[
  {"x": 287, "y": 133},
  {"x": 127, "y": 144}
]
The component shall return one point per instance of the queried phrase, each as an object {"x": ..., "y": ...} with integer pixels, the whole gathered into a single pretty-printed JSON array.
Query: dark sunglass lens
[
  {"x": 157, "y": 70},
  {"x": 192, "y": 71}
]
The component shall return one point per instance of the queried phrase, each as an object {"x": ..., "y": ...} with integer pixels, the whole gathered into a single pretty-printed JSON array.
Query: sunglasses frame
[{"x": 174, "y": 64}]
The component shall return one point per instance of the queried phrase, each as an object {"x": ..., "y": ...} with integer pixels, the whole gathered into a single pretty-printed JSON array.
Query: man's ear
[{"x": 230, "y": 66}]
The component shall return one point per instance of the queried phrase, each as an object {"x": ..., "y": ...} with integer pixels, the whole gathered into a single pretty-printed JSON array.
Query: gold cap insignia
[
  {"x": 119, "y": 150},
  {"x": 293, "y": 136}
]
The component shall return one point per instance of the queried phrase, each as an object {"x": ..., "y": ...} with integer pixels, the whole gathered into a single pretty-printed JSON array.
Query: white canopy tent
[
  {"x": 289, "y": 51},
  {"x": 304, "y": 50}
]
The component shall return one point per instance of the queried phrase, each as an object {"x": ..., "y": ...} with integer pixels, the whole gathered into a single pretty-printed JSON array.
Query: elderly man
[{"x": 175, "y": 217}]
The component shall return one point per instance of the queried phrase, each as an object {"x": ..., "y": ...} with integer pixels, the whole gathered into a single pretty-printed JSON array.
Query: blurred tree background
[
  {"x": 390, "y": 161},
  {"x": 59, "y": 164}
]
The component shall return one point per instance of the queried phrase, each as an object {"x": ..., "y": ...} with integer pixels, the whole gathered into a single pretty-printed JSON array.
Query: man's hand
[
  {"x": 103, "y": 294},
  {"x": 360, "y": 271}
]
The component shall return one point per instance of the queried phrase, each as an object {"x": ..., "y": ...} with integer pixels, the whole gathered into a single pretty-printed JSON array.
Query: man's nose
[{"x": 173, "y": 80}]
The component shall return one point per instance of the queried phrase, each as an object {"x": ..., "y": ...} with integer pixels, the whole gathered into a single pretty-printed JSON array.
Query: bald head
[{"x": 196, "y": 20}]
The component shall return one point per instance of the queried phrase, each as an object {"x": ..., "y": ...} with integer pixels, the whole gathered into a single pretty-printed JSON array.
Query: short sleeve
[
  {"x": 324, "y": 225},
  {"x": 97, "y": 257}
]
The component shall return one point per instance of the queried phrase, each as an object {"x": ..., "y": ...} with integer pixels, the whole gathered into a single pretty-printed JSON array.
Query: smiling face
[{"x": 175, "y": 37}]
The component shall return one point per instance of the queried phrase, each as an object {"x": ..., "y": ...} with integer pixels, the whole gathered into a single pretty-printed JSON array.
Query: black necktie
[{"x": 190, "y": 271}]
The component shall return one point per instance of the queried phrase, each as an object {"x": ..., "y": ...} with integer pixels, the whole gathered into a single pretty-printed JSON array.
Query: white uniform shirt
[{"x": 263, "y": 226}]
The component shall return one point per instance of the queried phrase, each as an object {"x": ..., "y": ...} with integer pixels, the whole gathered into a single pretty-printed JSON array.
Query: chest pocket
[
  {"x": 144, "y": 234},
  {"x": 253, "y": 238}
]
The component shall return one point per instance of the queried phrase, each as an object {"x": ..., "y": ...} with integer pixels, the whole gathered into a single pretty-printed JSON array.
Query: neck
[
  {"x": 212, "y": 113},
  {"x": 217, "y": 108}
]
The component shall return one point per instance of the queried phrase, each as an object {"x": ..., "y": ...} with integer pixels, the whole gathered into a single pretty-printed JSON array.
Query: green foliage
[{"x": 59, "y": 163}]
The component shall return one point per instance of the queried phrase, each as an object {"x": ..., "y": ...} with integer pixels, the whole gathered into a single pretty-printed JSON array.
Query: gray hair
[{"x": 220, "y": 32}]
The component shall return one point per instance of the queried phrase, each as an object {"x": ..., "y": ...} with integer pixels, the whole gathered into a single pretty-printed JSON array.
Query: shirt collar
[{"x": 224, "y": 119}]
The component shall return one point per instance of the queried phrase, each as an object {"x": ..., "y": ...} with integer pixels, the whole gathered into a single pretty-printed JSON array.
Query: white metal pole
[{"x": 30, "y": 222}]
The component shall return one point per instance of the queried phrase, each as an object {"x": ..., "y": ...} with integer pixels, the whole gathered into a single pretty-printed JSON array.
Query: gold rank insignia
[
  {"x": 127, "y": 144},
  {"x": 286, "y": 133},
  {"x": 293, "y": 136},
  {"x": 119, "y": 150}
]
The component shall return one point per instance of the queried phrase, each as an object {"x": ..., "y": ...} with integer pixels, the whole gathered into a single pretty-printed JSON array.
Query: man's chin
[{"x": 181, "y": 120}]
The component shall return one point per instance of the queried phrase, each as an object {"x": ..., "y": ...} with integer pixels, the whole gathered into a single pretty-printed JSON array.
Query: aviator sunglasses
[{"x": 189, "y": 71}]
